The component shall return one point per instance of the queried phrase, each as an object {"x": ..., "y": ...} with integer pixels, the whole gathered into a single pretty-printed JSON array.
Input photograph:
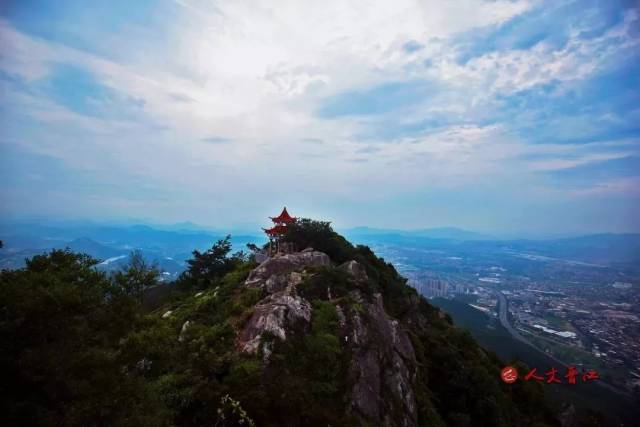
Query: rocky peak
[
  {"x": 282, "y": 309},
  {"x": 286, "y": 263},
  {"x": 277, "y": 314},
  {"x": 356, "y": 270},
  {"x": 382, "y": 365}
]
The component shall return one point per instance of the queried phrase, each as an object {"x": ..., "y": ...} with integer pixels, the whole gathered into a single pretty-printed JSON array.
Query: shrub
[
  {"x": 319, "y": 235},
  {"x": 323, "y": 280}
]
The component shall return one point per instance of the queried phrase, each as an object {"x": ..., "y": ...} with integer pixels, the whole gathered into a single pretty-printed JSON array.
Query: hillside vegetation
[{"x": 329, "y": 336}]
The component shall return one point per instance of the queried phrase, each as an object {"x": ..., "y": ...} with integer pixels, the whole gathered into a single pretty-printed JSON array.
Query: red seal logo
[{"x": 509, "y": 374}]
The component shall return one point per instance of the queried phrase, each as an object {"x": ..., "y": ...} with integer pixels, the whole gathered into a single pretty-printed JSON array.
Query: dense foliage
[
  {"x": 320, "y": 236},
  {"x": 60, "y": 326},
  {"x": 80, "y": 348},
  {"x": 306, "y": 380},
  {"x": 205, "y": 268}
]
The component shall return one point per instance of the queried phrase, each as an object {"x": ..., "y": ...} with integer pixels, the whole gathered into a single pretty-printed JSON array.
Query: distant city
[{"x": 575, "y": 311}]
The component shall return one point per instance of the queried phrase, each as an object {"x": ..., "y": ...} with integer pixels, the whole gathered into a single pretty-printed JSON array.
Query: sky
[{"x": 496, "y": 116}]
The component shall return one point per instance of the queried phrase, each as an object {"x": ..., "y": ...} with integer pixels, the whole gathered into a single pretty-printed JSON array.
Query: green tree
[
  {"x": 206, "y": 268},
  {"x": 137, "y": 275},
  {"x": 319, "y": 235},
  {"x": 61, "y": 324}
]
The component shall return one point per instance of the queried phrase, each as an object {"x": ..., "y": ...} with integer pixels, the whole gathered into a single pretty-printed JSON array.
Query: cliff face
[
  {"x": 382, "y": 363},
  {"x": 382, "y": 368}
]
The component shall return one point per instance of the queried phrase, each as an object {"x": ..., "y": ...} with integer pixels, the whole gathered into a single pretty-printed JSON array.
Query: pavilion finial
[{"x": 283, "y": 218}]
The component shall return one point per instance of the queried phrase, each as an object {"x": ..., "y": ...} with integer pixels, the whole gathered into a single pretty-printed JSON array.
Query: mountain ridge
[{"x": 332, "y": 335}]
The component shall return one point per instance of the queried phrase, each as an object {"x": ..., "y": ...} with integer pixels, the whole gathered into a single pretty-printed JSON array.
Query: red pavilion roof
[
  {"x": 283, "y": 217},
  {"x": 276, "y": 230}
]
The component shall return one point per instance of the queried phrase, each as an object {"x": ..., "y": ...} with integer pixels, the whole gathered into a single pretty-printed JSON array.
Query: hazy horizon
[
  {"x": 255, "y": 229},
  {"x": 516, "y": 118}
]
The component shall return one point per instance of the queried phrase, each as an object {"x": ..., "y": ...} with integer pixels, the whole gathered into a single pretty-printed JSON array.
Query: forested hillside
[{"x": 330, "y": 335}]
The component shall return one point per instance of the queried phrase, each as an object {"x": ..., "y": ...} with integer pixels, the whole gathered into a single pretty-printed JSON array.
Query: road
[
  {"x": 502, "y": 315},
  {"x": 503, "y": 309}
]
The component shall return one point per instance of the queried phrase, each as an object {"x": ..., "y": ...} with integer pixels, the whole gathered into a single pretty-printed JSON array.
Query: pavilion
[{"x": 280, "y": 228}]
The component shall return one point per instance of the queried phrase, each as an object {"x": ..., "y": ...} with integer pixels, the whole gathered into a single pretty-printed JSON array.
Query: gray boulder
[
  {"x": 284, "y": 264},
  {"x": 280, "y": 282},
  {"x": 277, "y": 314},
  {"x": 355, "y": 269},
  {"x": 183, "y": 331}
]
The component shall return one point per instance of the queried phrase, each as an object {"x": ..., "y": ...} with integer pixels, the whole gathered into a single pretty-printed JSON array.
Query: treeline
[{"x": 63, "y": 329}]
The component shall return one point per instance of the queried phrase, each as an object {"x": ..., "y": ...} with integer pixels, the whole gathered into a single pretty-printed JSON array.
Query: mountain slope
[
  {"x": 330, "y": 336},
  {"x": 86, "y": 245},
  {"x": 325, "y": 336}
]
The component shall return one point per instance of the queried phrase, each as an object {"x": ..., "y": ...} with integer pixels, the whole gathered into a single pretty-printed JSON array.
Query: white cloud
[
  {"x": 255, "y": 73},
  {"x": 515, "y": 70},
  {"x": 574, "y": 161},
  {"x": 242, "y": 62},
  {"x": 628, "y": 187}
]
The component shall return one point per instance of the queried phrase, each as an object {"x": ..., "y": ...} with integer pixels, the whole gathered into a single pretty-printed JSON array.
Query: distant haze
[{"x": 509, "y": 118}]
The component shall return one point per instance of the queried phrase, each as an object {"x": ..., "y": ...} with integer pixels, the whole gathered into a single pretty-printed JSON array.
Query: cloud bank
[{"x": 492, "y": 115}]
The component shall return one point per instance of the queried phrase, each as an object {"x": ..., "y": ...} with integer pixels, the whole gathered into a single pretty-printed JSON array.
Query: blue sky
[{"x": 515, "y": 117}]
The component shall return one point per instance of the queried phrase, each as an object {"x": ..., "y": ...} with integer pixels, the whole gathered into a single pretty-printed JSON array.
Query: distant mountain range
[
  {"x": 447, "y": 233},
  {"x": 111, "y": 243},
  {"x": 611, "y": 250},
  {"x": 88, "y": 246},
  {"x": 171, "y": 246}
]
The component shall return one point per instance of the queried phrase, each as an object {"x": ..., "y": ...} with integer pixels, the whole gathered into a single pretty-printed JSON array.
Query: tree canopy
[
  {"x": 205, "y": 268},
  {"x": 60, "y": 325}
]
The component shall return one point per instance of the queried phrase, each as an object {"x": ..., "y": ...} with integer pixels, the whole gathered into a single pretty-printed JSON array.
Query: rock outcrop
[
  {"x": 356, "y": 270},
  {"x": 282, "y": 310},
  {"x": 285, "y": 263},
  {"x": 183, "y": 330},
  {"x": 278, "y": 314},
  {"x": 382, "y": 366}
]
